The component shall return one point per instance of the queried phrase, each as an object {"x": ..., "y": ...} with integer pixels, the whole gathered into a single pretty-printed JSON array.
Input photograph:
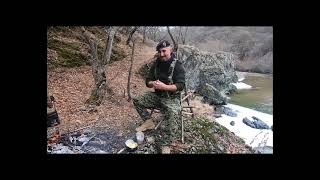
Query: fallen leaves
[{"x": 72, "y": 87}]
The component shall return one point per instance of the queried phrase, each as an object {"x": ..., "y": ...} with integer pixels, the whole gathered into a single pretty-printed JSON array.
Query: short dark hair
[{"x": 162, "y": 44}]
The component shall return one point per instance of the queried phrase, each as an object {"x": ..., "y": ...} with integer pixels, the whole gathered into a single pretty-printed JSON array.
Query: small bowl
[{"x": 131, "y": 145}]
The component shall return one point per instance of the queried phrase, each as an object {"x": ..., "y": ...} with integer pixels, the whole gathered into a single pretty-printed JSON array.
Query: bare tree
[
  {"x": 130, "y": 70},
  {"x": 131, "y": 34},
  {"x": 144, "y": 34},
  {"x": 153, "y": 32},
  {"x": 107, "y": 50},
  {"x": 179, "y": 35},
  {"x": 184, "y": 37},
  {"x": 98, "y": 64},
  {"x": 175, "y": 45}
]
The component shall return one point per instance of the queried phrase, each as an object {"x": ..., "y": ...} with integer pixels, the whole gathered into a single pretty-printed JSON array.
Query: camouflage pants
[{"x": 169, "y": 106}]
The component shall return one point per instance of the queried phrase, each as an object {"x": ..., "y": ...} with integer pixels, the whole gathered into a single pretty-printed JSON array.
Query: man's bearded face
[{"x": 165, "y": 53}]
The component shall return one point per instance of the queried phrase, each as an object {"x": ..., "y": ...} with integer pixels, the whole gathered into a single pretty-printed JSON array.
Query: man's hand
[
  {"x": 164, "y": 87},
  {"x": 150, "y": 84},
  {"x": 159, "y": 85}
]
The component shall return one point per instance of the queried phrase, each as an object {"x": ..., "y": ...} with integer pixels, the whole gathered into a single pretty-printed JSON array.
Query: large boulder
[
  {"x": 209, "y": 74},
  {"x": 256, "y": 123}
]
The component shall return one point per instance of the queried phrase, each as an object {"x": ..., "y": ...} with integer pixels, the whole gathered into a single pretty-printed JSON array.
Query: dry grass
[{"x": 201, "y": 109}]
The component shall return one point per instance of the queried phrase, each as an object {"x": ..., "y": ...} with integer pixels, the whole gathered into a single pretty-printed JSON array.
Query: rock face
[
  {"x": 259, "y": 123},
  {"x": 210, "y": 74}
]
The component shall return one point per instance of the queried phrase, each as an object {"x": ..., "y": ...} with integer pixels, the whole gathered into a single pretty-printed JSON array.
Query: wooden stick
[
  {"x": 182, "y": 129},
  {"x": 189, "y": 106},
  {"x": 158, "y": 124},
  {"x": 130, "y": 70},
  {"x": 121, "y": 150},
  {"x": 187, "y": 113},
  {"x": 189, "y": 102},
  {"x": 151, "y": 113},
  {"x": 186, "y": 97}
]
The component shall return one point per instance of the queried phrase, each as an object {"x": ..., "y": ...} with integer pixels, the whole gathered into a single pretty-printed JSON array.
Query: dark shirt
[{"x": 163, "y": 73}]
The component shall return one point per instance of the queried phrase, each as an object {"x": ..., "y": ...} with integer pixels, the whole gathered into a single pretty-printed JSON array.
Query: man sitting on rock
[{"x": 167, "y": 78}]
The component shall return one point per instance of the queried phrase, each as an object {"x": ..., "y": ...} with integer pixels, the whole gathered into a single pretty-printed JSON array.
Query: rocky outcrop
[{"x": 210, "y": 74}]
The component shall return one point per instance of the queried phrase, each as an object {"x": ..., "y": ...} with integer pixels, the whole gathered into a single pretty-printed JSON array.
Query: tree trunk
[
  {"x": 184, "y": 37},
  {"x": 107, "y": 50},
  {"x": 155, "y": 31},
  {"x": 179, "y": 35},
  {"x": 154, "y": 35},
  {"x": 130, "y": 70},
  {"x": 99, "y": 90},
  {"x": 131, "y": 34},
  {"x": 144, "y": 34},
  {"x": 98, "y": 71},
  {"x": 175, "y": 48}
]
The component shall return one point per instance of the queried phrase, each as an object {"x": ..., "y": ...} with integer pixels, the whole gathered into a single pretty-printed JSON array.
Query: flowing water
[{"x": 260, "y": 97}]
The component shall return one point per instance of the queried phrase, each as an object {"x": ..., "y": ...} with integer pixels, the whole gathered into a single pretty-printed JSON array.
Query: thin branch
[
  {"x": 184, "y": 37},
  {"x": 131, "y": 34},
  {"x": 175, "y": 47},
  {"x": 130, "y": 70},
  {"x": 92, "y": 42},
  {"x": 189, "y": 94}
]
